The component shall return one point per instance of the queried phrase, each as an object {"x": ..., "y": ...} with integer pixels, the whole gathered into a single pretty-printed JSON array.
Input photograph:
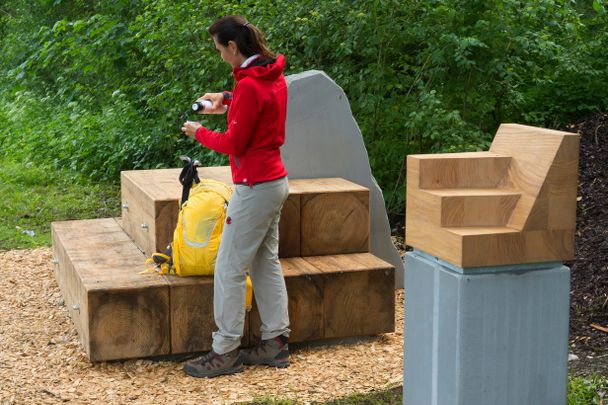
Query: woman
[{"x": 256, "y": 130}]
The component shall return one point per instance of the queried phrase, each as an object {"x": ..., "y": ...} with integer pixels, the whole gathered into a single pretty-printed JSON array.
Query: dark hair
[{"x": 248, "y": 38}]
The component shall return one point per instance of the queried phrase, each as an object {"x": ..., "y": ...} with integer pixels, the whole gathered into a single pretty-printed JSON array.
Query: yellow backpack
[{"x": 197, "y": 235}]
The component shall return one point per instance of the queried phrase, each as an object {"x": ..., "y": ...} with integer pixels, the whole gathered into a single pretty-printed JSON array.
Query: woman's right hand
[{"x": 217, "y": 100}]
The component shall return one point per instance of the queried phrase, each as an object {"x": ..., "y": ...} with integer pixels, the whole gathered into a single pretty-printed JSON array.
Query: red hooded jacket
[{"x": 256, "y": 124}]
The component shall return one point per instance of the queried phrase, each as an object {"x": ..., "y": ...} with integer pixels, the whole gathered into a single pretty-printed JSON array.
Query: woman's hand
[
  {"x": 190, "y": 127},
  {"x": 217, "y": 100}
]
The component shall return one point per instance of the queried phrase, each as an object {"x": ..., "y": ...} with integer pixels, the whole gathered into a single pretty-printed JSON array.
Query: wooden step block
[
  {"x": 457, "y": 170},
  {"x": 334, "y": 216},
  {"x": 320, "y": 216},
  {"x": 305, "y": 294},
  {"x": 150, "y": 203},
  {"x": 122, "y": 314},
  {"x": 336, "y": 296},
  {"x": 358, "y": 294},
  {"x": 191, "y": 312},
  {"x": 503, "y": 245},
  {"x": 118, "y": 313},
  {"x": 473, "y": 207},
  {"x": 289, "y": 227},
  {"x": 192, "y": 320}
]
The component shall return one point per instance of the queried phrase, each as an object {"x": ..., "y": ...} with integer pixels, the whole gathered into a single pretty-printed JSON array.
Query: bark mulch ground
[
  {"x": 42, "y": 360},
  {"x": 589, "y": 289}
]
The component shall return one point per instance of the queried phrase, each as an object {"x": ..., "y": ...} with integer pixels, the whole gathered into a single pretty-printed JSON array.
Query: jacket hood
[{"x": 265, "y": 72}]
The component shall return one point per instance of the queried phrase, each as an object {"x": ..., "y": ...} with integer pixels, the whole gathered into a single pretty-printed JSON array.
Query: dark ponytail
[{"x": 248, "y": 38}]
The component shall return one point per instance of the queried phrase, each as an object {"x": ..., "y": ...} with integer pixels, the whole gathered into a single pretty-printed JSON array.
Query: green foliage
[
  {"x": 32, "y": 196},
  {"x": 102, "y": 86},
  {"x": 587, "y": 390}
]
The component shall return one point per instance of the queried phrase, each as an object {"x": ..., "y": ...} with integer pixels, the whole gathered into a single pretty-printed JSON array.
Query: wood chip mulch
[{"x": 42, "y": 360}]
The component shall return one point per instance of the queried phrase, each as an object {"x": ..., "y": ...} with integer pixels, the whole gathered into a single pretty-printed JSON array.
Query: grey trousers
[{"x": 250, "y": 240}]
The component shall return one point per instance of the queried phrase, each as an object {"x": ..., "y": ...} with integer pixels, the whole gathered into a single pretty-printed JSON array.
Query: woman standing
[{"x": 256, "y": 130}]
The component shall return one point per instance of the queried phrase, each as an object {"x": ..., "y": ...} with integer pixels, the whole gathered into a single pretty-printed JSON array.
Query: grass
[
  {"x": 587, "y": 390},
  {"x": 581, "y": 391},
  {"x": 31, "y": 197},
  {"x": 388, "y": 396}
]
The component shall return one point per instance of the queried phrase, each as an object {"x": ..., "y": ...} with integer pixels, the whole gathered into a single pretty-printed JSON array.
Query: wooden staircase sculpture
[
  {"x": 336, "y": 288},
  {"x": 510, "y": 205}
]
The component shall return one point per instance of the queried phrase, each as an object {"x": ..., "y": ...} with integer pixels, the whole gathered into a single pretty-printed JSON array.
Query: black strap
[{"x": 188, "y": 176}]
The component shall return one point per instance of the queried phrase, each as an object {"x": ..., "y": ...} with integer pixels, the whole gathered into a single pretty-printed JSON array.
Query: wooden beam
[
  {"x": 305, "y": 302},
  {"x": 358, "y": 294},
  {"x": 118, "y": 313},
  {"x": 335, "y": 212},
  {"x": 334, "y": 223}
]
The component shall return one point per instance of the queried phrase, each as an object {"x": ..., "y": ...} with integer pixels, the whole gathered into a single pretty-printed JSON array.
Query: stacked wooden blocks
[{"x": 336, "y": 288}]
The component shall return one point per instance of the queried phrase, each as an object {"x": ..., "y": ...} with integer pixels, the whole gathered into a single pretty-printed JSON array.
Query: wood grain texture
[
  {"x": 335, "y": 296},
  {"x": 289, "y": 227},
  {"x": 528, "y": 216},
  {"x": 70, "y": 285},
  {"x": 127, "y": 324},
  {"x": 461, "y": 170},
  {"x": 165, "y": 218},
  {"x": 517, "y": 247},
  {"x": 138, "y": 215},
  {"x": 323, "y": 186},
  {"x": 333, "y": 223},
  {"x": 118, "y": 313},
  {"x": 476, "y": 207},
  {"x": 358, "y": 294},
  {"x": 192, "y": 319},
  {"x": 163, "y": 184},
  {"x": 305, "y": 302},
  {"x": 540, "y": 159}
]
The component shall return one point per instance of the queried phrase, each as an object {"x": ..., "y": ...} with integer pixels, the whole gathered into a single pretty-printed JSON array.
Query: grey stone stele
[
  {"x": 494, "y": 338},
  {"x": 323, "y": 140}
]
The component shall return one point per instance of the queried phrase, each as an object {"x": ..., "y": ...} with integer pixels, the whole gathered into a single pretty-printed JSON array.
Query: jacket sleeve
[
  {"x": 227, "y": 98},
  {"x": 243, "y": 117}
]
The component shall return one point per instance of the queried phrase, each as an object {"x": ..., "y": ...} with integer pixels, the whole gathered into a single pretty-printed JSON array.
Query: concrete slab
[{"x": 324, "y": 140}]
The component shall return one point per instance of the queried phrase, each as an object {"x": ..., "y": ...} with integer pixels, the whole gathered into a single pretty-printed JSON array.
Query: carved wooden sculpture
[{"x": 514, "y": 204}]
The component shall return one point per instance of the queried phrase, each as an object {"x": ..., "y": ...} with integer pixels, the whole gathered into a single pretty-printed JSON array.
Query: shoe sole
[
  {"x": 277, "y": 364},
  {"x": 195, "y": 373}
]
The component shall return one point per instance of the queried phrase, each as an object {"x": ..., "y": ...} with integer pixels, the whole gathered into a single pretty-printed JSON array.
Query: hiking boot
[
  {"x": 213, "y": 364},
  {"x": 272, "y": 352}
]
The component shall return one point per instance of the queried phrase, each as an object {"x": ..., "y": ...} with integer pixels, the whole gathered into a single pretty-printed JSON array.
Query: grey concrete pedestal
[{"x": 496, "y": 336}]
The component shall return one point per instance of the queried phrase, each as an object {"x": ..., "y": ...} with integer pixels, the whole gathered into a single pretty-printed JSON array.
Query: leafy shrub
[
  {"x": 586, "y": 390},
  {"x": 102, "y": 86}
]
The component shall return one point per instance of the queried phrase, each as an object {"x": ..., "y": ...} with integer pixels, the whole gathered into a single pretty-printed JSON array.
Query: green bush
[
  {"x": 586, "y": 390},
  {"x": 102, "y": 86}
]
